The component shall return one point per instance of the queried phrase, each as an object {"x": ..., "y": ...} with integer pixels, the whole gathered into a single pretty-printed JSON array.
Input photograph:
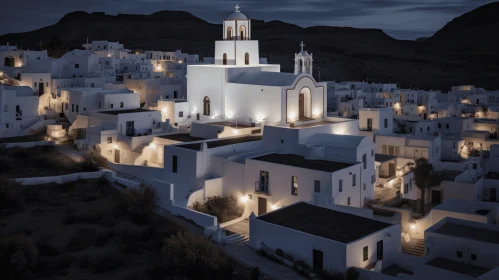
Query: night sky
[{"x": 402, "y": 19}]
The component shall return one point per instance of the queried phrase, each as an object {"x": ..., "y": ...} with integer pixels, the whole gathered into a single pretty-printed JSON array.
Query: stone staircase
[
  {"x": 235, "y": 238},
  {"x": 417, "y": 247}
]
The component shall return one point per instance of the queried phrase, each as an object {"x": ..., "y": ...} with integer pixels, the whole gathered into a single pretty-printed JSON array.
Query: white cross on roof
[
  {"x": 302, "y": 45},
  {"x": 237, "y": 8}
]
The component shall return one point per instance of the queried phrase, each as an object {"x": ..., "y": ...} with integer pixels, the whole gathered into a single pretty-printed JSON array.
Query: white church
[{"x": 237, "y": 87}]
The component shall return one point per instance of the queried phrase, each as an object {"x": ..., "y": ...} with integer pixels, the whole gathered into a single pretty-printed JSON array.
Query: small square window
[
  {"x": 282, "y": 141},
  {"x": 365, "y": 253},
  {"x": 109, "y": 140},
  {"x": 459, "y": 254},
  {"x": 250, "y": 196},
  {"x": 121, "y": 104},
  {"x": 77, "y": 65},
  {"x": 340, "y": 185},
  {"x": 181, "y": 114},
  {"x": 473, "y": 257},
  {"x": 348, "y": 201}
]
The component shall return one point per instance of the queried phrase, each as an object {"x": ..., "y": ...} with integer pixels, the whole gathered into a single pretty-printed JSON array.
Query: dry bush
[
  {"x": 11, "y": 196},
  {"x": 102, "y": 260},
  {"x": 92, "y": 161},
  {"x": 18, "y": 254},
  {"x": 195, "y": 257},
  {"x": 139, "y": 203},
  {"x": 225, "y": 208}
]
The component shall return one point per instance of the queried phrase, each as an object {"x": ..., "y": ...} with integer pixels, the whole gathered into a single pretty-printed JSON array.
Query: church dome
[{"x": 237, "y": 15}]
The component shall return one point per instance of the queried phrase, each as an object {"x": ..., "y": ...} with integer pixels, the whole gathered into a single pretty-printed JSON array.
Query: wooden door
[
  {"x": 301, "y": 106},
  {"x": 369, "y": 124},
  {"x": 262, "y": 206},
  {"x": 129, "y": 128},
  {"x": 391, "y": 169},
  {"x": 41, "y": 89},
  {"x": 117, "y": 156}
]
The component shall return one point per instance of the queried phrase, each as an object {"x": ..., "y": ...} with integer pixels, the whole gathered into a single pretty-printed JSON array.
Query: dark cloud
[{"x": 403, "y": 19}]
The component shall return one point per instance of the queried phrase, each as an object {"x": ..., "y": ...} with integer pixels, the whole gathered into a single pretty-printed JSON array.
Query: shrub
[
  {"x": 45, "y": 248},
  {"x": 99, "y": 261},
  {"x": 195, "y": 257},
  {"x": 11, "y": 196},
  {"x": 255, "y": 273},
  {"x": 82, "y": 218},
  {"x": 225, "y": 208},
  {"x": 139, "y": 203},
  {"x": 18, "y": 255},
  {"x": 279, "y": 252},
  {"x": 326, "y": 275},
  {"x": 92, "y": 161},
  {"x": 5, "y": 165},
  {"x": 352, "y": 274}
]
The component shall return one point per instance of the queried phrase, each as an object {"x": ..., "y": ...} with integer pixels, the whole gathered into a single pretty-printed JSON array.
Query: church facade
[{"x": 238, "y": 88}]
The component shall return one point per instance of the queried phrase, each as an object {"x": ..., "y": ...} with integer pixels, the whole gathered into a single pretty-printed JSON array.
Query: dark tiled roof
[
  {"x": 324, "y": 222},
  {"x": 469, "y": 232},
  {"x": 181, "y": 137},
  {"x": 221, "y": 142},
  {"x": 459, "y": 267},
  {"x": 126, "y": 111},
  {"x": 299, "y": 161}
]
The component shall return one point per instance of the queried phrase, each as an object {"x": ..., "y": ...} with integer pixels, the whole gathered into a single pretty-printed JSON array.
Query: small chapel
[{"x": 239, "y": 88}]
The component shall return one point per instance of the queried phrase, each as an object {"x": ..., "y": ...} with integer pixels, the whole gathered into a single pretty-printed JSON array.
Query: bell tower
[
  {"x": 237, "y": 48},
  {"x": 303, "y": 61}
]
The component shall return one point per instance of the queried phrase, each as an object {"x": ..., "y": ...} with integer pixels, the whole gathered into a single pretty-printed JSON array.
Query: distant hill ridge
[{"x": 463, "y": 52}]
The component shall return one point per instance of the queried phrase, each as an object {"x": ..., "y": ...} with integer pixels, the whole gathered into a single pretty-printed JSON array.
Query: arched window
[
  {"x": 206, "y": 106},
  {"x": 307, "y": 65},
  {"x": 229, "y": 33},
  {"x": 246, "y": 58},
  {"x": 301, "y": 66},
  {"x": 225, "y": 59},
  {"x": 242, "y": 32}
]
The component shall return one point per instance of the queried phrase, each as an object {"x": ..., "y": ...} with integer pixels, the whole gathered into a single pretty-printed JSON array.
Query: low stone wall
[
  {"x": 201, "y": 219},
  {"x": 62, "y": 179},
  {"x": 28, "y": 144}
]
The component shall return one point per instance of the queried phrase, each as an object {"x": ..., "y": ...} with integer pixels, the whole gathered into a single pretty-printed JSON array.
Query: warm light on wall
[
  {"x": 194, "y": 109},
  {"x": 244, "y": 199},
  {"x": 260, "y": 117},
  {"x": 316, "y": 112},
  {"x": 109, "y": 55},
  {"x": 158, "y": 68},
  {"x": 153, "y": 145},
  {"x": 292, "y": 116},
  {"x": 274, "y": 207},
  {"x": 235, "y": 132},
  {"x": 164, "y": 110},
  {"x": 229, "y": 114},
  {"x": 115, "y": 146}
]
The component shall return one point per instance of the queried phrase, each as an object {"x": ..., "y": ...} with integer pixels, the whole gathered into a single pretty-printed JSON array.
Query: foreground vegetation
[
  {"x": 89, "y": 230},
  {"x": 225, "y": 208},
  {"x": 43, "y": 161}
]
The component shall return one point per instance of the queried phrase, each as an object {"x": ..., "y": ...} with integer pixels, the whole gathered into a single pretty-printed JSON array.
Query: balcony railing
[{"x": 261, "y": 188}]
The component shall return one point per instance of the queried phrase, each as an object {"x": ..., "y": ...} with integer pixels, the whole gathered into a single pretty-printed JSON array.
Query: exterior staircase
[
  {"x": 235, "y": 238},
  {"x": 417, "y": 247},
  {"x": 62, "y": 120}
]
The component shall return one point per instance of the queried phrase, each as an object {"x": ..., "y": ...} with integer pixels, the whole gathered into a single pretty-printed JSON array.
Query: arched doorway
[
  {"x": 242, "y": 32},
  {"x": 246, "y": 58},
  {"x": 229, "y": 33},
  {"x": 206, "y": 106},
  {"x": 304, "y": 104},
  {"x": 225, "y": 59}
]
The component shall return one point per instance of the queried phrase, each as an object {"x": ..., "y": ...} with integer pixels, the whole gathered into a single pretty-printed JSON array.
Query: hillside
[{"x": 340, "y": 53}]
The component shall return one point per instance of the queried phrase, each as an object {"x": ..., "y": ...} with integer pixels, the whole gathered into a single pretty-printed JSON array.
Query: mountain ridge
[{"x": 340, "y": 53}]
